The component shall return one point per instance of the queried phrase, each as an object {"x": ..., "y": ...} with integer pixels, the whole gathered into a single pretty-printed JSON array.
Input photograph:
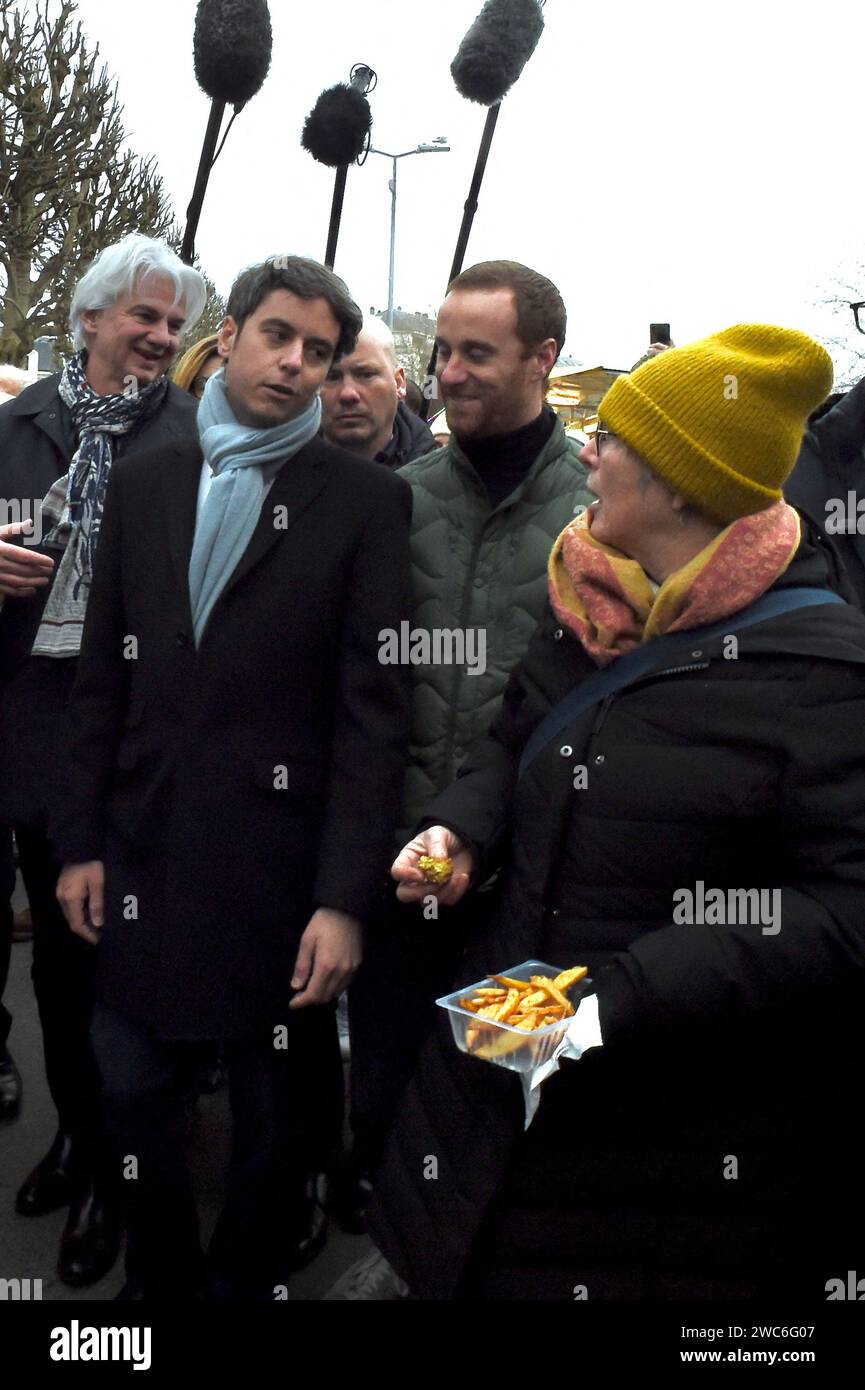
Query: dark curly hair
[{"x": 305, "y": 278}]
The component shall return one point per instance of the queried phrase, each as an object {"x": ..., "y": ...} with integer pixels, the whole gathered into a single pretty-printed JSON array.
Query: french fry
[
  {"x": 570, "y": 977},
  {"x": 523, "y": 1006},
  {"x": 529, "y": 1021},
  {"x": 498, "y": 1045},
  {"x": 436, "y": 870},
  {"x": 554, "y": 992},
  {"x": 508, "y": 1007},
  {"x": 488, "y": 1011}
]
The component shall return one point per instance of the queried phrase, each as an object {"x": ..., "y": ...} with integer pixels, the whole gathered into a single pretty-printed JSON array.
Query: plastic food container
[{"x": 506, "y": 1046}]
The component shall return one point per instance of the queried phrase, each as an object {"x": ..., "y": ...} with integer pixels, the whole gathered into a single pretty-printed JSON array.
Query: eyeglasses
[
  {"x": 857, "y": 310},
  {"x": 600, "y": 434}
]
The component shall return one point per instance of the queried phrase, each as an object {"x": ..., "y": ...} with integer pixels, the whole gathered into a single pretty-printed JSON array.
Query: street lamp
[{"x": 437, "y": 146}]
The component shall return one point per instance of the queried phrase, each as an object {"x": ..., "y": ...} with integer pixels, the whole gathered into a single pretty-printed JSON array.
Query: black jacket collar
[
  {"x": 411, "y": 439},
  {"x": 42, "y": 395}
]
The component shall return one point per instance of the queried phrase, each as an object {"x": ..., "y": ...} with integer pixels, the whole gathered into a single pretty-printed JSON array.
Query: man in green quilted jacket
[{"x": 487, "y": 508}]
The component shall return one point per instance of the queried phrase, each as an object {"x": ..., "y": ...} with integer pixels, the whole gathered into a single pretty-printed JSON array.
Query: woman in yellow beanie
[{"x": 674, "y": 796}]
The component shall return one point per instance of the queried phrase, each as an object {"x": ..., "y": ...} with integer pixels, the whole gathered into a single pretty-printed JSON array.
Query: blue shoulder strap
[{"x": 656, "y": 655}]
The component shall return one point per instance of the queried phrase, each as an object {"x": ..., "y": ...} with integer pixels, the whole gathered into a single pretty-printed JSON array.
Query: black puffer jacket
[
  {"x": 411, "y": 439},
  {"x": 711, "y": 1147}
]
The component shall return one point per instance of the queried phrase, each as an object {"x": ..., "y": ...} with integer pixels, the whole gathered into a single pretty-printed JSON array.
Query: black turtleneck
[{"x": 501, "y": 461}]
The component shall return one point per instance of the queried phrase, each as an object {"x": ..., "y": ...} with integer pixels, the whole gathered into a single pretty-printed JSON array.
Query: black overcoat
[
  {"x": 235, "y": 787},
  {"x": 37, "y": 441},
  {"x": 712, "y": 1147}
]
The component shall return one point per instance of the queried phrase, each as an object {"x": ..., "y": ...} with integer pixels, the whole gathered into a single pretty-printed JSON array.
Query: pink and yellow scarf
[{"x": 609, "y": 603}]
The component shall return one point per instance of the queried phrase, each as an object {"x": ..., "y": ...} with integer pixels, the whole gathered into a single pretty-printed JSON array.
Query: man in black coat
[
  {"x": 364, "y": 407},
  {"x": 235, "y": 764},
  {"x": 113, "y": 397}
]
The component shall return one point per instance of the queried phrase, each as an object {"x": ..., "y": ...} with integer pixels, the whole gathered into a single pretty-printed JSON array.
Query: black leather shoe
[
  {"x": 91, "y": 1241},
  {"x": 49, "y": 1186},
  {"x": 10, "y": 1086}
]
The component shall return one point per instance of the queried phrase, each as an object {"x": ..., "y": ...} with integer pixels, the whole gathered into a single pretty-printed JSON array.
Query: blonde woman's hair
[{"x": 190, "y": 364}]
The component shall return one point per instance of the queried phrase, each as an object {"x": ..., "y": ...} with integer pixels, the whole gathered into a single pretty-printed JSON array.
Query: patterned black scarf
[{"x": 74, "y": 504}]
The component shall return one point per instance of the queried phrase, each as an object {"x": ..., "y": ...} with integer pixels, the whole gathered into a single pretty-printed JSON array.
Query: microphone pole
[
  {"x": 490, "y": 59},
  {"x": 471, "y": 203},
  {"x": 196, "y": 202},
  {"x": 363, "y": 79},
  {"x": 231, "y": 49}
]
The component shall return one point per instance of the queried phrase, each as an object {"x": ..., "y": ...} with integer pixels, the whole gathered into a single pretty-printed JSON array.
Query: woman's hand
[{"x": 439, "y": 843}]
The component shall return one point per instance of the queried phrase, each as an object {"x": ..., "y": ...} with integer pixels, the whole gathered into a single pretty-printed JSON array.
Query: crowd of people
[{"x": 224, "y": 797}]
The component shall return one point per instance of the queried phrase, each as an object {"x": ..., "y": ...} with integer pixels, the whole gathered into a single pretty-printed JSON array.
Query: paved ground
[{"x": 28, "y": 1245}]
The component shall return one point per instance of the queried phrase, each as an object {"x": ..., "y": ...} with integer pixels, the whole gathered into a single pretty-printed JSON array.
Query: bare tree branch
[{"x": 69, "y": 186}]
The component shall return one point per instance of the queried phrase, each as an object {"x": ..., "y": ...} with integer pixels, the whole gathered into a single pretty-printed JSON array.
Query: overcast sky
[{"x": 664, "y": 161}]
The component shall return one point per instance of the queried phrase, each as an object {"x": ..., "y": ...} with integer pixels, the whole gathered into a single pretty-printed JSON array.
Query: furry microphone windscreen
[
  {"x": 336, "y": 128},
  {"x": 496, "y": 49},
  {"x": 231, "y": 48}
]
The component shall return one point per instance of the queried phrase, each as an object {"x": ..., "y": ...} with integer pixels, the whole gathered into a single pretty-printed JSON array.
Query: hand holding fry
[{"x": 437, "y": 862}]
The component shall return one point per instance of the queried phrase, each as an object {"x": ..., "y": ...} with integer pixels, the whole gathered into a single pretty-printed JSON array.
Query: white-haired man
[
  {"x": 58, "y": 440},
  {"x": 363, "y": 403}
]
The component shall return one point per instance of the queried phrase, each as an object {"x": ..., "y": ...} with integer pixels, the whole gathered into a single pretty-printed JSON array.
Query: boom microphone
[
  {"x": 231, "y": 53},
  {"x": 489, "y": 60},
  {"x": 336, "y": 129},
  {"x": 231, "y": 48},
  {"x": 496, "y": 49},
  {"x": 336, "y": 132}
]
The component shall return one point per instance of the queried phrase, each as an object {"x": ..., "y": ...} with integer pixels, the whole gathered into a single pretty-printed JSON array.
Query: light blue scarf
[{"x": 244, "y": 462}]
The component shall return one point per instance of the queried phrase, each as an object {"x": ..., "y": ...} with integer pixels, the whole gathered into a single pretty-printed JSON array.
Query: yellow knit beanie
[{"x": 722, "y": 419}]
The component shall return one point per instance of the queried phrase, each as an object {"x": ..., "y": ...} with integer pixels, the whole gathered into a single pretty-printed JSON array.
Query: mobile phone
[{"x": 659, "y": 333}]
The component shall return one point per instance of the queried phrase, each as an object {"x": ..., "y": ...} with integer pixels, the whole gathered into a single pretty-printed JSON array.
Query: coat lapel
[{"x": 296, "y": 485}]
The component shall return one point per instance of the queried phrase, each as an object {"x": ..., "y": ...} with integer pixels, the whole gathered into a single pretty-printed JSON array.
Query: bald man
[{"x": 363, "y": 403}]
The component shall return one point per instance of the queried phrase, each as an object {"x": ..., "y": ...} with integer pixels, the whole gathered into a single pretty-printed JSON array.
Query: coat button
[
  {"x": 52, "y": 415},
  {"x": 566, "y": 751},
  {"x": 558, "y": 634},
  {"x": 600, "y": 758},
  {"x": 182, "y": 639}
]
